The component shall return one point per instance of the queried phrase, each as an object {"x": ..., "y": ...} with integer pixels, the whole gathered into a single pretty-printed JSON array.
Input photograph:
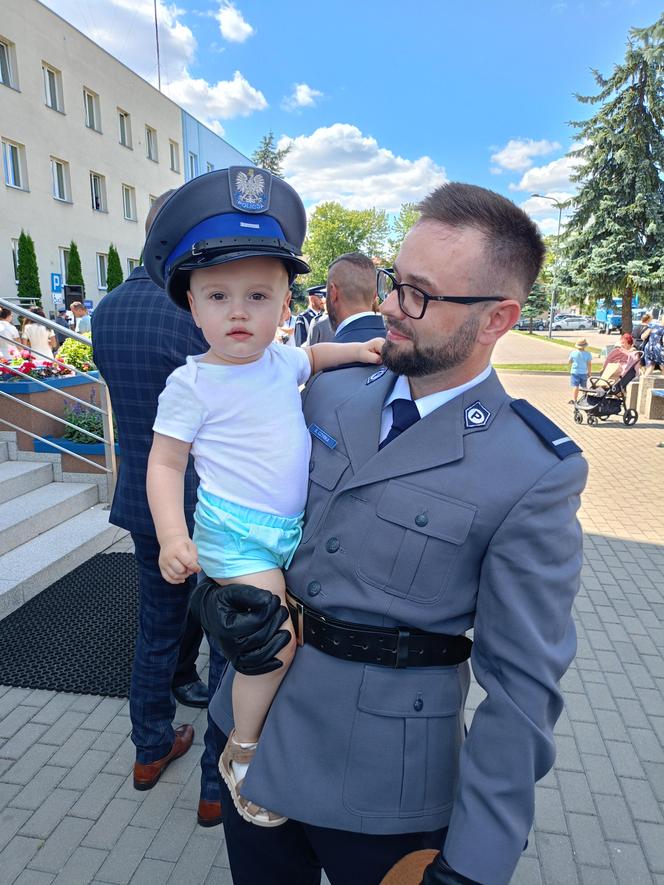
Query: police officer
[
  {"x": 437, "y": 504},
  {"x": 316, "y": 295}
]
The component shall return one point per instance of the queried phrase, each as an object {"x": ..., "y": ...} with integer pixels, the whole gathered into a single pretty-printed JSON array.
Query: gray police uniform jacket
[{"x": 453, "y": 525}]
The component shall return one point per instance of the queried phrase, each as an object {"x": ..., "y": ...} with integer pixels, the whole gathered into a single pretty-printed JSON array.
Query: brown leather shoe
[
  {"x": 209, "y": 813},
  {"x": 146, "y": 775}
]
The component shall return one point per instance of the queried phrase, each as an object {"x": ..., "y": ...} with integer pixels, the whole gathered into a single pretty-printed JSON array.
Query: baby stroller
[{"x": 605, "y": 395}]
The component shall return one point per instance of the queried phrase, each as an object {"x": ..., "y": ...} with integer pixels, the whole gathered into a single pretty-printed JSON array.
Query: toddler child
[
  {"x": 580, "y": 361},
  {"x": 236, "y": 409}
]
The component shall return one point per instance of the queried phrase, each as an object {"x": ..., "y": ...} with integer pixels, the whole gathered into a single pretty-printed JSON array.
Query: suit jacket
[
  {"x": 139, "y": 337},
  {"x": 320, "y": 330},
  {"x": 361, "y": 329},
  {"x": 453, "y": 525}
]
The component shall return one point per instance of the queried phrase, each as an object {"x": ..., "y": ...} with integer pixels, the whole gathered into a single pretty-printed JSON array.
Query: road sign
[{"x": 56, "y": 282}]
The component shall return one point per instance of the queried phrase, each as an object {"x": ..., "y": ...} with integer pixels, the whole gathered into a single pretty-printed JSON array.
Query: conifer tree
[
  {"x": 29, "y": 291},
  {"x": 114, "y": 273},
  {"x": 267, "y": 156},
  {"x": 74, "y": 271},
  {"x": 615, "y": 238}
]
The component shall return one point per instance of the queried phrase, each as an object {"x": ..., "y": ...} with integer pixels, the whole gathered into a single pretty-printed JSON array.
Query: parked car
[
  {"x": 572, "y": 322},
  {"x": 524, "y": 324}
]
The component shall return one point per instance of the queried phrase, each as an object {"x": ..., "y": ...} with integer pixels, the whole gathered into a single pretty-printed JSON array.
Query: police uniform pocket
[
  {"x": 326, "y": 468},
  {"x": 411, "y": 547},
  {"x": 403, "y": 754}
]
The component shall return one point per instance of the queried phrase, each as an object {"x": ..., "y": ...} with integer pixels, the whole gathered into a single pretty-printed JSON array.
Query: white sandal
[{"x": 248, "y": 810}]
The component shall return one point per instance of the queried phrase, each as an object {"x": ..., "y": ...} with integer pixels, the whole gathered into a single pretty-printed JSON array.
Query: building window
[
  {"x": 53, "y": 88},
  {"x": 98, "y": 192},
  {"x": 129, "y": 202},
  {"x": 7, "y": 64},
  {"x": 124, "y": 126},
  {"x": 92, "y": 111},
  {"x": 151, "y": 143},
  {"x": 193, "y": 165},
  {"x": 13, "y": 158},
  {"x": 175, "y": 156},
  {"x": 15, "y": 259},
  {"x": 132, "y": 264},
  {"x": 102, "y": 270},
  {"x": 64, "y": 263},
  {"x": 61, "y": 180},
  {"x": 209, "y": 167}
]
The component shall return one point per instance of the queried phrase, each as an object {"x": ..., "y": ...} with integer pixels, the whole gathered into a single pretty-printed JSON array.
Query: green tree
[
  {"x": 74, "y": 271},
  {"x": 408, "y": 215},
  {"x": 615, "y": 238},
  {"x": 536, "y": 304},
  {"x": 268, "y": 156},
  {"x": 334, "y": 230},
  {"x": 28, "y": 288},
  {"x": 114, "y": 273}
]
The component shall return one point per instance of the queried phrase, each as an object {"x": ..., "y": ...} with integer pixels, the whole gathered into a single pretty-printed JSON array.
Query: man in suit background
[
  {"x": 436, "y": 504},
  {"x": 139, "y": 337},
  {"x": 351, "y": 296},
  {"x": 316, "y": 296}
]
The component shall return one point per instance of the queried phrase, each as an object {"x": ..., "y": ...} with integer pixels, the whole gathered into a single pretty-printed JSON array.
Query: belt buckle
[{"x": 298, "y": 621}]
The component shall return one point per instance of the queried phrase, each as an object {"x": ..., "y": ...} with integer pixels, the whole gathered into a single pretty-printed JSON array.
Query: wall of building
[{"x": 204, "y": 151}]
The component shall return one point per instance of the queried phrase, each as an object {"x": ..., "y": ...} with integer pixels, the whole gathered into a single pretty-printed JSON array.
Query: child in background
[{"x": 580, "y": 362}]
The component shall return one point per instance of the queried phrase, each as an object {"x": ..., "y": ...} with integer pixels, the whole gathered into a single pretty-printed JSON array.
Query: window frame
[
  {"x": 96, "y": 109},
  {"x": 132, "y": 264},
  {"x": 103, "y": 202},
  {"x": 14, "y": 242},
  {"x": 59, "y": 105},
  {"x": 10, "y": 65},
  {"x": 104, "y": 265},
  {"x": 174, "y": 149},
  {"x": 130, "y": 192},
  {"x": 193, "y": 164},
  {"x": 21, "y": 165},
  {"x": 126, "y": 117},
  {"x": 151, "y": 149},
  {"x": 64, "y": 252},
  {"x": 66, "y": 180}
]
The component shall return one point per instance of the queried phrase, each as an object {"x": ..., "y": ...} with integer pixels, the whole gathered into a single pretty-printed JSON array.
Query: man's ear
[
  {"x": 498, "y": 320},
  {"x": 192, "y": 307}
]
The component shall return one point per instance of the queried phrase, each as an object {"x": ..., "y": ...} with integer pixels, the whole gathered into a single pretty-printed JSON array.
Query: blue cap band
[{"x": 230, "y": 224}]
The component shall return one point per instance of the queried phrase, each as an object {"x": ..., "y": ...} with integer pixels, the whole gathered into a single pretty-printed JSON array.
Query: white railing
[{"x": 108, "y": 439}]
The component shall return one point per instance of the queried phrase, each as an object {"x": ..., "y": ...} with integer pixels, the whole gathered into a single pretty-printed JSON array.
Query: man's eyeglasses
[{"x": 414, "y": 301}]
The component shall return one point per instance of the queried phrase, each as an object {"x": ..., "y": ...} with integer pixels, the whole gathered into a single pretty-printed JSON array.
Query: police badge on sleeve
[{"x": 249, "y": 188}]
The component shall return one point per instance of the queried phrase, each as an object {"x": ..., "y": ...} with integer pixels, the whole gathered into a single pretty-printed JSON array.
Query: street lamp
[{"x": 559, "y": 206}]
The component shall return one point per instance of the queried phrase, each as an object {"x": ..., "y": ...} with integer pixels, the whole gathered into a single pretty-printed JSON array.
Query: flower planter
[
  {"x": 50, "y": 400},
  {"x": 93, "y": 451}
]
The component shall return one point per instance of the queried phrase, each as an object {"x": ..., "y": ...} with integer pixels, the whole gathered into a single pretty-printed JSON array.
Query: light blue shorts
[{"x": 234, "y": 540}]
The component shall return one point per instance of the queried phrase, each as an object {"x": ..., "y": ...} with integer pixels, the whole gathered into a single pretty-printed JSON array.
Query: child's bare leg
[{"x": 253, "y": 695}]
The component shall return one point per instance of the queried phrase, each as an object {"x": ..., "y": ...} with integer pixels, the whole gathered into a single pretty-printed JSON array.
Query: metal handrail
[{"x": 108, "y": 439}]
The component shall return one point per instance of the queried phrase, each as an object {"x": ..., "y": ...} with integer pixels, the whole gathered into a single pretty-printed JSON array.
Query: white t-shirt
[
  {"x": 245, "y": 423},
  {"x": 9, "y": 330},
  {"x": 38, "y": 337}
]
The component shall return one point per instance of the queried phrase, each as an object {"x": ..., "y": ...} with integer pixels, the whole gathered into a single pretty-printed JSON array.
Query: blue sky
[{"x": 382, "y": 101}]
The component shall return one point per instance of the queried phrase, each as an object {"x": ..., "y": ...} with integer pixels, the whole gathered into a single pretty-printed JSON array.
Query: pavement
[
  {"x": 69, "y": 814},
  {"x": 522, "y": 347}
]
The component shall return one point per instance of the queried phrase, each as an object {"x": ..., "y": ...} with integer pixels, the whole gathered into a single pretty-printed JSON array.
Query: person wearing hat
[
  {"x": 227, "y": 246},
  {"x": 316, "y": 296},
  {"x": 580, "y": 365}
]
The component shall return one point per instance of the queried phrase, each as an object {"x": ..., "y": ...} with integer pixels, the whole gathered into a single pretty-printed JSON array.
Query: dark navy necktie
[{"x": 404, "y": 415}]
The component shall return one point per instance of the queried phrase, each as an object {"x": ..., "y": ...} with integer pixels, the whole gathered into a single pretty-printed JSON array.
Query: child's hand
[
  {"x": 178, "y": 558},
  {"x": 370, "y": 351}
]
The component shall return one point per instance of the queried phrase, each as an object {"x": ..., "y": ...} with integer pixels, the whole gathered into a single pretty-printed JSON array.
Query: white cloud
[
  {"x": 302, "y": 96},
  {"x": 232, "y": 24},
  {"x": 518, "y": 153},
  {"x": 339, "y": 163},
  {"x": 125, "y": 28},
  {"x": 555, "y": 176},
  {"x": 536, "y": 206}
]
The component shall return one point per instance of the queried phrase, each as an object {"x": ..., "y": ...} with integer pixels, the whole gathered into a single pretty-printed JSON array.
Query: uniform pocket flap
[
  {"x": 424, "y": 512},
  {"x": 421, "y": 692},
  {"x": 326, "y": 466}
]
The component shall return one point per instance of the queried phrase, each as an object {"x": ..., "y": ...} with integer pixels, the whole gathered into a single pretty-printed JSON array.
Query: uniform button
[
  {"x": 332, "y": 545},
  {"x": 421, "y": 520},
  {"x": 313, "y": 588},
  {"x": 418, "y": 704}
]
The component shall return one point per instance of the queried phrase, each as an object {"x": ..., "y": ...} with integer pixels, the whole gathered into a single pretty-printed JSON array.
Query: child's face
[{"x": 238, "y": 306}]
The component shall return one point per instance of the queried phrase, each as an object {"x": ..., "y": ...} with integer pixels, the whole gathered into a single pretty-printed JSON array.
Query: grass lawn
[
  {"x": 568, "y": 344},
  {"x": 559, "y": 368}
]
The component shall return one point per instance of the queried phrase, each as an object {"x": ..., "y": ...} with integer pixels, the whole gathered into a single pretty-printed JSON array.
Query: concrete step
[
  {"x": 31, "y": 567},
  {"x": 19, "y": 477},
  {"x": 27, "y": 516},
  {"x": 4, "y": 451}
]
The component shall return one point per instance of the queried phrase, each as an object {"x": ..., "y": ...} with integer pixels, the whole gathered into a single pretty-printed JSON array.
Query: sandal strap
[{"x": 237, "y": 753}]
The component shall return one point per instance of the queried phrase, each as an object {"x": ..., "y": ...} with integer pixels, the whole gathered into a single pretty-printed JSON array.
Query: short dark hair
[
  {"x": 355, "y": 274},
  {"x": 4, "y": 313},
  {"x": 516, "y": 246}
]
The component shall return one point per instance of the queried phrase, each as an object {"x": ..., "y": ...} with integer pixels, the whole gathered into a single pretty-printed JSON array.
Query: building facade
[{"x": 87, "y": 145}]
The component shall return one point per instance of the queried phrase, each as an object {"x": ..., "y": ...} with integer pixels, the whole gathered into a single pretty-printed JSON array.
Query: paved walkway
[{"x": 69, "y": 814}]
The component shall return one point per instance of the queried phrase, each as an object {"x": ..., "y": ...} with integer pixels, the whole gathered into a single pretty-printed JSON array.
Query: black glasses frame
[{"x": 399, "y": 287}]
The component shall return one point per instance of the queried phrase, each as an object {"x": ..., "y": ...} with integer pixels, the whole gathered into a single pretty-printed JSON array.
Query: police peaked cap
[{"x": 225, "y": 215}]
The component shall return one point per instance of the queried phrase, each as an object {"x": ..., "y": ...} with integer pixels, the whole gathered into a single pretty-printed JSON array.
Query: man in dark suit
[
  {"x": 351, "y": 297},
  {"x": 139, "y": 338}
]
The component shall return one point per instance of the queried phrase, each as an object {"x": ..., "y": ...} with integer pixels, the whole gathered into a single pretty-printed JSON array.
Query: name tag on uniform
[{"x": 324, "y": 437}]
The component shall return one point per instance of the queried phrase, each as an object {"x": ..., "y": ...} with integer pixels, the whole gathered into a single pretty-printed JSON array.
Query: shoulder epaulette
[{"x": 551, "y": 435}]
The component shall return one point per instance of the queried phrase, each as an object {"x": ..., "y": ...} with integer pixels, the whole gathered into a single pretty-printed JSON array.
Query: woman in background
[{"x": 39, "y": 337}]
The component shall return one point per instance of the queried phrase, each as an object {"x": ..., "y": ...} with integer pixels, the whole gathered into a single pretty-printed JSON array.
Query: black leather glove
[
  {"x": 245, "y": 620},
  {"x": 441, "y": 873}
]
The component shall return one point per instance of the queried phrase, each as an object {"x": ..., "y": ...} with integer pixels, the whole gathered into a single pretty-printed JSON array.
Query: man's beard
[
  {"x": 332, "y": 316},
  {"x": 417, "y": 361}
]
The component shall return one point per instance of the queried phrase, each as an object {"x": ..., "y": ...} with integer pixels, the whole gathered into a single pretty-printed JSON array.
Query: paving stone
[
  {"x": 173, "y": 835},
  {"x": 615, "y": 818},
  {"x": 85, "y": 770},
  {"x": 152, "y": 872},
  {"x": 624, "y": 759},
  {"x": 40, "y": 787},
  {"x": 85, "y": 703},
  {"x": 642, "y": 801},
  {"x": 567, "y": 754},
  {"x": 610, "y": 662},
  {"x": 576, "y": 792},
  {"x": 38, "y": 697},
  {"x": 61, "y": 844},
  {"x": 549, "y": 814},
  {"x": 15, "y": 856},
  {"x": 655, "y": 775},
  {"x": 74, "y": 747},
  {"x": 29, "y": 765},
  {"x": 24, "y": 738},
  {"x": 557, "y": 859},
  {"x": 122, "y": 760},
  {"x": 119, "y": 725},
  {"x": 597, "y": 876},
  {"x": 600, "y": 774},
  {"x": 49, "y": 814},
  {"x": 53, "y": 710},
  {"x": 11, "y": 821},
  {"x": 102, "y": 714},
  {"x": 527, "y": 873},
  {"x": 220, "y": 876},
  {"x": 599, "y": 641},
  {"x": 109, "y": 742},
  {"x": 588, "y": 841},
  {"x": 81, "y": 867},
  {"x": 196, "y": 860},
  {"x": 652, "y": 700},
  {"x": 647, "y": 745},
  {"x": 629, "y": 864},
  {"x": 115, "y": 817},
  {"x": 11, "y": 698},
  {"x": 7, "y": 793},
  {"x": 34, "y": 877},
  {"x": 15, "y": 720},
  {"x": 97, "y": 796},
  {"x": 65, "y": 726},
  {"x": 632, "y": 713},
  {"x": 589, "y": 738},
  {"x": 5, "y": 764},
  {"x": 621, "y": 686},
  {"x": 600, "y": 696},
  {"x": 154, "y": 810},
  {"x": 127, "y": 854}
]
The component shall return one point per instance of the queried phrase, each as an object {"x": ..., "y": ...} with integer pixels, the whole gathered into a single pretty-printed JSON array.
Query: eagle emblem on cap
[{"x": 250, "y": 192}]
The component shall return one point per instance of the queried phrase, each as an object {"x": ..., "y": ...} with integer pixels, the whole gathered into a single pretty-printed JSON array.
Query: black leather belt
[{"x": 395, "y": 647}]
